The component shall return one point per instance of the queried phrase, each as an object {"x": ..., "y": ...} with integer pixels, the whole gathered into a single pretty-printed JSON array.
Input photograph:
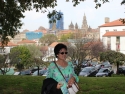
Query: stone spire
[
  {"x": 84, "y": 23},
  {"x": 89, "y": 29},
  {"x": 76, "y": 26},
  {"x": 71, "y": 26}
]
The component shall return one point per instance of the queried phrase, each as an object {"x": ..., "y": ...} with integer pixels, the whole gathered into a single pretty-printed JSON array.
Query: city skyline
[{"x": 95, "y": 17}]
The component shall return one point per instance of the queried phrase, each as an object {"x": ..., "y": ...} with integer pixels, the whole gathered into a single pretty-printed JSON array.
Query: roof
[
  {"x": 24, "y": 31},
  {"x": 55, "y": 43},
  {"x": 26, "y": 41},
  {"x": 67, "y": 31},
  {"x": 114, "y": 33},
  {"x": 113, "y": 23},
  {"x": 41, "y": 28},
  {"x": 9, "y": 44},
  {"x": 43, "y": 31},
  {"x": 44, "y": 48}
]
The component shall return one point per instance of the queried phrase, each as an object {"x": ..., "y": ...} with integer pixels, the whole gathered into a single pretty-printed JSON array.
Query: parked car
[
  {"x": 41, "y": 72},
  {"x": 86, "y": 63},
  {"x": 121, "y": 70},
  {"x": 104, "y": 72},
  {"x": 93, "y": 63},
  {"x": 98, "y": 67},
  {"x": 35, "y": 69},
  {"x": 16, "y": 73},
  {"x": 25, "y": 72},
  {"x": 45, "y": 74},
  {"x": 106, "y": 64},
  {"x": 88, "y": 72}
]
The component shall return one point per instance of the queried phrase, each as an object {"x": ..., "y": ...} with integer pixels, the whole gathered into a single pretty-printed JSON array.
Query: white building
[
  {"x": 112, "y": 34},
  {"x": 6, "y": 50}
]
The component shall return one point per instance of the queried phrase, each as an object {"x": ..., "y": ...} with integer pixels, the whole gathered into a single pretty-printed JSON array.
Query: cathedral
[{"x": 85, "y": 29}]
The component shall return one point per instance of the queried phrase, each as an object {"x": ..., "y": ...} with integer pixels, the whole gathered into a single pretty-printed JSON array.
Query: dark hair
[{"x": 58, "y": 47}]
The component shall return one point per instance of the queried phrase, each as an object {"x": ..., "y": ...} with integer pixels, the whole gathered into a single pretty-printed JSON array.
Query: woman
[{"x": 66, "y": 68}]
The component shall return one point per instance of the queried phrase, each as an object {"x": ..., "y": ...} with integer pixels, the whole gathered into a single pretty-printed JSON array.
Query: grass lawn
[{"x": 88, "y": 85}]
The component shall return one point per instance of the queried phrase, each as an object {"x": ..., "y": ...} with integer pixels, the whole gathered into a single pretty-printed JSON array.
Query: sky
[{"x": 95, "y": 17}]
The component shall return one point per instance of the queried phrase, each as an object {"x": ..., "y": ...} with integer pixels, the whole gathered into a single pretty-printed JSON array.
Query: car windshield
[
  {"x": 106, "y": 63},
  {"x": 87, "y": 69},
  {"x": 94, "y": 63},
  {"x": 102, "y": 70}
]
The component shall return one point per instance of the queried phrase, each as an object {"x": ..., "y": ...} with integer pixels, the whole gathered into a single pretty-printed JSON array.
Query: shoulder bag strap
[
  {"x": 64, "y": 77},
  {"x": 60, "y": 71}
]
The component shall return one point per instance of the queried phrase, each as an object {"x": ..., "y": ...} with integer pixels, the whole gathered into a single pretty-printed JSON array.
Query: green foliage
[
  {"x": 20, "y": 55},
  {"x": 88, "y": 85},
  {"x": 10, "y": 15},
  {"x": 112, "y": 56},
  {"x": 48, "y": 39},
  {"x": 64, "y": 38},
  {"x": 123, "y": 2},
  {"x": 2, "y": 59},
  {"x": 98, "y": 3},
  {"x": 34, "y": 50}
]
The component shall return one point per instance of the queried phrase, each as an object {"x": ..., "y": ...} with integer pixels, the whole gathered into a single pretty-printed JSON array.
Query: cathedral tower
[
  {"x": 71, "y": 26},
  {"x": 76, "y": 26},
  {"x": 84, "y": 24}
]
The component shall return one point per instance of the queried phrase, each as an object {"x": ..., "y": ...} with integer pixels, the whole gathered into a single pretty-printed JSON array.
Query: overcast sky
[{"x": 95, "y": 17}]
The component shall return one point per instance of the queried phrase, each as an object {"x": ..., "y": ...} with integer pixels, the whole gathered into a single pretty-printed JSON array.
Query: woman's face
[{"x": 62, "y": 54}]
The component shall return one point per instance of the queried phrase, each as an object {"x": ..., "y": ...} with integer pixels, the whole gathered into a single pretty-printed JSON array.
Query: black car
[
  {"x": 35, "y": 69},
  {"x": 88, "y": 72},
  {"x": 121, "y": 70},
  {"x": 104, "y": 72}
]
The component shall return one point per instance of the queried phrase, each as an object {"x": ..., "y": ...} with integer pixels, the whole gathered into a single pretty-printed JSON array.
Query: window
[
  {"x": 117, "y": 39},
  {"x": 107, "y": 30},
  {"x": 108, "y": 40},
  {"x": 115, "y": 29},
  {"x": 108, "y": 43},
  {"x": 117, "y": 43}
]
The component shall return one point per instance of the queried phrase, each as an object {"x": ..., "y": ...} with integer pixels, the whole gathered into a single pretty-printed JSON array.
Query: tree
[
  {"x": 64, "y": 38},
  {"x": 11, "y": 11},
  {"x": 78, "y": 52},
  {"x": 36, "y": 55},
  {"x": 20, "y": 55},
  {"x": 113, "y": 57},
  {"x": 95, "y": 49},
  {"x": 48, "y": 39},
  {"x": 5, "y": 63},
  {"x": 2, "y": 64}
]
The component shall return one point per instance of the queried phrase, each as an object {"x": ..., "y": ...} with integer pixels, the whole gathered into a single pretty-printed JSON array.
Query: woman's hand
[
  {"x": 59, "y": 85},
  {"x": 71, "y": 81}
]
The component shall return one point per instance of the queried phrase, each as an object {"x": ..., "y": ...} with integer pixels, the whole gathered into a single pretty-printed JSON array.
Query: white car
[
  {"x": 16, "y": 73},
  {"x": 45, "y": 74}
]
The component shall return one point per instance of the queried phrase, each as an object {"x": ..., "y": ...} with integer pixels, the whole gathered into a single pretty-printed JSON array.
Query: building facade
[
  {"x": 112, "y": 34},
  {"x": 59, "y": 25},
  {"x": 33, "y": 35}
]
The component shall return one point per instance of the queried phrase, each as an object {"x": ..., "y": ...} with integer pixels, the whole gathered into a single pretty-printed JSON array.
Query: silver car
[{"x": 88, "y": 71}]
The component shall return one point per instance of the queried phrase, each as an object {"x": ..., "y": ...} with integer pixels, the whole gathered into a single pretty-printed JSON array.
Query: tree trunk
[
  {"x": 117, "y": 67},
  {"x": 38, "y": 70}
]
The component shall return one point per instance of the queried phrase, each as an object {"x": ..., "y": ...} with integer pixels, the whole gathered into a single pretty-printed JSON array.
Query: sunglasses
[{"x": 63, "y": 53}]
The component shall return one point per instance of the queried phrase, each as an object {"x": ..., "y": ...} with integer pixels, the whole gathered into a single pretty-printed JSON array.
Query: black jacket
[{"x": 49, "y": 87}]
